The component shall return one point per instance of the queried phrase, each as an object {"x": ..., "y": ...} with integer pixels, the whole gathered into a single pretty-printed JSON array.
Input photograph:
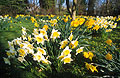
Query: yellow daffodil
[
  {"x": 96, "y": 27},
  {"x": 75, "y": 23},
  {"x": 81, "y": 21},
  {"x": 109, "y": 41},
  {"x": 36, "y": 24},
  {"x": 66, "y": 20},
  {"x": 108, "y": 30},
  {"x": 91, "y": 67},
  {"x": 85, "y": 54},
  {"x": 88, "y": 55},
  {"x": 108, "y": 56},
  {"x": 45, "y": 27}
]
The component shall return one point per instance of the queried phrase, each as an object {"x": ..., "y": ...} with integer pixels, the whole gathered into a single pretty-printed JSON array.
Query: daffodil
[
  {"x": 109, "y": 41},
  {"x": 24, "y": 37},
  {"x": 10, "y": 44},
  {"x": 11, "y": 52},
  {"x": 33, "y": 19},
  {"x": 55, "y": 34},
  {"x": 73, "y": 44},
  {"x": 21, "y": 59},
  {"x": 108, "y": 30},
  {"x": 67, "y": 59},
  {"x": 36, "y": 24},
  {"x": 79, "y": 50},
  {"x": 35, "y": 32},
  {"x": 42, "y": 51},
  {"x": 81, "y": 21},
  {"x": 65, "y": 20},
  {"x": 39, "y": 38},
  {"x": 70, "y": 37},
  {"x": 61, "y": 56},
  {"x": 45, "y": 27},
  {"x": 63, "y": 43},
  {"x": 29, "y": 38},
  {"x": 96, "y": 27},
  {"x": 91, "y": 67},
  {"x": 38, "y": 57},
  {"x": 108, "y": 56},
  {"x": 17, "y": 41},
  {"x": 66, "y": 51},
  {"x": 22, "y": 52},
  {"x": 24, "y": 31},
  {"x": 7, "y": 61},
  {"x": 46, "y": 61},
  {"x": 75, "y": 23},
  {"x": 43, "y": 31},
  {"x": 85, "y": 54},
  {"x": 88, "y": 55}
]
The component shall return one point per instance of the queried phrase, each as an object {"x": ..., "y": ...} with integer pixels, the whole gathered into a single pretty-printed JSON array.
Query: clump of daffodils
[{"x": 31, "y": 44}]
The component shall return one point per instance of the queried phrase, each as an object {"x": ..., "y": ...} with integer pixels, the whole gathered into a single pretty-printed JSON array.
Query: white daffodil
[
  {"x": 11, "y": 53},
  {"x": 63, "y": 43},
  {"x": 39, "y": 38},
  {"x": 113, "y": 26},
  {"x": 46, "y": 37},
  {"x": 55, "y": 34},
  {"x": 70, "y": 37},
  {"x": 61, "y": 56},
  {"x": 66, "y": 51},
  {"x": 35, "y": 32},
  {"x": 73, "y": 44},
  {"x": 22, "y": 52},
  {"x": 10, "y": 44},
  {"x": 24, "y": 37},
  {"x": 42, "y": 51},
  {"x": 43, "y": 31},
  {"x": 6, "y": 60},
  {"x": 17, "y": 41},
  {"x": 38, "y": 57},
  {"x": 29, "y": 38},
  {"x": 31, "y": 51},
  {"x": 21, "y": 59},
  {"x": 79, "y": 50},
  {"x": 46, "y": 61},
  {"x": 24, "y": 31},
  {"x": 67, "y": 59}
]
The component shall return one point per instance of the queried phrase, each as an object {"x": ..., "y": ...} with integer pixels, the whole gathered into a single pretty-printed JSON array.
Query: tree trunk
[
  {"x": 91, "y": 7},
  {"x": 72, "y": 11}
]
